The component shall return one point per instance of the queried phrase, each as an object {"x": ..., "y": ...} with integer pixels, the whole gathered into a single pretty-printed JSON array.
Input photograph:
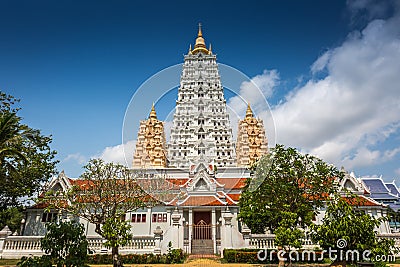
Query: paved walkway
[
  {"x": 192, "y": 263},
  {"x": 203, "y": 262}
]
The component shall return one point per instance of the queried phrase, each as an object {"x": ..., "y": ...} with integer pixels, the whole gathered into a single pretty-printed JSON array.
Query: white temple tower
[{"x": 201, "y": 130}]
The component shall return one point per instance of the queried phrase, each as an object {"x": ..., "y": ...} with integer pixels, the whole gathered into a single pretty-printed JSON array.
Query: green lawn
[{"x": 4, "y": 262}]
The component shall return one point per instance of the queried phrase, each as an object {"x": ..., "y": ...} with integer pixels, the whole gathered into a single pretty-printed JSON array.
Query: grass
[{"x": 6, "y": 262}]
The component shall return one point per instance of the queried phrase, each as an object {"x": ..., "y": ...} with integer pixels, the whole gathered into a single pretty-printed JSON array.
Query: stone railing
[
  {"x": 14, "y": 247},
  {"x": 396, "y": 238},
  {"x": 266, "y": 241},
  {"x": 143, "y": 244},
  {"x": 140, "y": 244},
  {"x": 18, "y": 246}
]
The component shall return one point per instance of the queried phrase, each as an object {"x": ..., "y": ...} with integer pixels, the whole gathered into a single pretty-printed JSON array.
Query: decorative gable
[{"x": 202, "y": 183}]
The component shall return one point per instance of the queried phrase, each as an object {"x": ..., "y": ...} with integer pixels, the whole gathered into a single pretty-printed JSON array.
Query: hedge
[{"x": 174, "y": 256}]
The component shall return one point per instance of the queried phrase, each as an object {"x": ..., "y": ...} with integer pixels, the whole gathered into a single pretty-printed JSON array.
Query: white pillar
[
  {"x": 213, "y": 229},
  {"x": 226, "y": 230},
  {"x": 3, "y": 236},
  {"x": 157, "y": 236},
  {"x": 177, "y": 236},
  {"x": 246, "y": 235},
  {"x": 190, "y": 229}
]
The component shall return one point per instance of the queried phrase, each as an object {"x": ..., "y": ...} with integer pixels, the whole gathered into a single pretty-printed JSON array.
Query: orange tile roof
[
  {"x": 40, "y": 205},
  {"x": 202, "y": 201},
  {"x": 361, "y": 201},
  {"x": 234, "y": 197},
  {"x": 180, "y": 181},
  {"x": 232, "y": 183}
]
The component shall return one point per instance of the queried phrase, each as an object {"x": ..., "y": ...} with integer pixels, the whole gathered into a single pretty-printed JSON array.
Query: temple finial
[
  {"x": 200, "y": 45},
  {"x": 209, "y": 50},
  {"x": 249, "y": 112},
  {"x": 153, "y": 114},
  {"x": 200, "y": 34},
  {"x": 190, "y": 48}
]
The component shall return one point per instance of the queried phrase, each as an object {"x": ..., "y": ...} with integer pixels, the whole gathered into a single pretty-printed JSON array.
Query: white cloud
[
  {"x": 122, "y": 154},
  {"x": 344, "y": 116},
  {"x": 256, "y": 92},
  {"x": 77, "y": 157},
  {"x": 397, "y": 171},
  {"x": 321, "y": 62},
  {"x": 366, "y": 157},
  {"x": 357, "y": 105}
]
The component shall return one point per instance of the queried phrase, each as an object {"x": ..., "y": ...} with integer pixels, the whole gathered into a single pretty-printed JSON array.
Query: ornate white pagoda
[{"x": 201, "y": 129}]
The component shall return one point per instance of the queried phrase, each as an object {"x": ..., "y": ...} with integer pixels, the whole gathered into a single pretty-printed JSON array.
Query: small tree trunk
[
  {"x": 115, "y": 255},
  {"x": 281, "y": 261}
]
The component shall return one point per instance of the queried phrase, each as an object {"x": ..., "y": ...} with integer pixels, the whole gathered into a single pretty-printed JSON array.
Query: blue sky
[{"x": 76, "y": 64}]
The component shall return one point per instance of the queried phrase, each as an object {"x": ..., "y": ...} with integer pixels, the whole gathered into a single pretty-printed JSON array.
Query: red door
[{"x": 202, "y": 225}]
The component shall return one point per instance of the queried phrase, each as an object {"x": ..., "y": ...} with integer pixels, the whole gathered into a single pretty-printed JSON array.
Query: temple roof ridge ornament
[
  {"x": 200, "y": 45},
  {"x": 249, "y": 112},
  {"x": 153, "y": 114}
]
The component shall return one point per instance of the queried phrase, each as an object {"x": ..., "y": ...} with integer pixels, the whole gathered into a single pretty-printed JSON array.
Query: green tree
[
  {"x": 346, "y": 227},
  {"x": 12, "y": 218},
  {"x": 288, "y": 235},
  {"x": 286, "y": 182},
  {"x": 117, "y": 233},
  {"x": 108, "y": 191},
  {"x": 26, "y": 159},
  {"x": 66, "y": 244}
]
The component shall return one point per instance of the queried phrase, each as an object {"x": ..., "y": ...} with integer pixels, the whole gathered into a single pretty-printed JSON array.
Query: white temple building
[
  {"x": 204, "y": 166},
  {"x": 200, "y": 162}
]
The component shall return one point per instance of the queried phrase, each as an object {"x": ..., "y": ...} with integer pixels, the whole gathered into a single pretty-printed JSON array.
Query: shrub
[
  {"x": 248, "y": 256},
  {"x": 66, "y": 244},
  {"x": 43, "y": 261},
  {"x": 173, "y": 256},
  {"x": 176, "y": 256}
]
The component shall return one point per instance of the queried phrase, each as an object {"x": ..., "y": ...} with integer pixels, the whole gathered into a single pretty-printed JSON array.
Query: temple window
[
  {"x": 138, "y": 218},
  {"x": 49, "y": 217},
  {"x": 159, "y": 217}
]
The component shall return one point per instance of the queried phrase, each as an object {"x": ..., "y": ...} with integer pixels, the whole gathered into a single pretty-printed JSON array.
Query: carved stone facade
[
  {"x": 150, "y": 145},
  {"x": 251, "y": 140},
  {"x": 201, "y": 131}
]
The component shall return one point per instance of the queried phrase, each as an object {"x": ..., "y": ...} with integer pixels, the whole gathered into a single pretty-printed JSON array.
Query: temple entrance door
[
  {"x": 202, "y": 225},
  {"x": 202, "y": 216},
  {"x": 202, "y": 242}
]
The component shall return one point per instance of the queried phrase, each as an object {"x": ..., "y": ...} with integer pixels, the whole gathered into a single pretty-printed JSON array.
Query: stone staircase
[{"x": 203, "y": 247}]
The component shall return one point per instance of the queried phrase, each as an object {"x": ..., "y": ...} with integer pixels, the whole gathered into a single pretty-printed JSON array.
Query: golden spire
[
  {"x": 153, "y": 114},
  {"x": 249, "y": 112},
  {"x": 200, "y": 34},
  {"x": 200, "y": 44}
]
